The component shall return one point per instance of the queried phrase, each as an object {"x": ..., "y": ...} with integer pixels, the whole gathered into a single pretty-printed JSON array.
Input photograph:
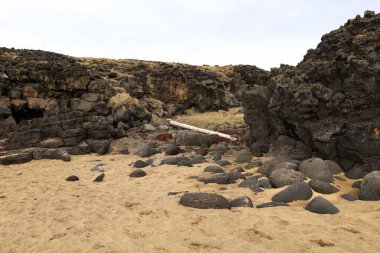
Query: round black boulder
[
  {"x": 356, "y": 173},
  {"x": 223, "y": 162},
  {"x": 321, "y": 206},
  {"x": 172, "y": 149},
  {"x": 138, "y": 173},
  {"x": 203, "y": 200},
  {"x": 244, "y": 157},
  {"x": 72, "y": 178},
  {"x": 322, "y": 187},
  {"x": 282, "y": 177},
  {"x": 241, "y": 202},
  {"x": 316, "y": 168},
  {"x": 140, "y": 164},
  {"x": 370, "y": 186},
  {"x": 299, "y": 191}
]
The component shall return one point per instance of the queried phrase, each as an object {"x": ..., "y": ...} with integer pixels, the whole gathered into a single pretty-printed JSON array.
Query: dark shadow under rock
[{"x": 202, "y": 200}]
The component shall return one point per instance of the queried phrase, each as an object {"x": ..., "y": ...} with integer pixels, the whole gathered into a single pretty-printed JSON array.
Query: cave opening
[{"x": 26, "y": 114}]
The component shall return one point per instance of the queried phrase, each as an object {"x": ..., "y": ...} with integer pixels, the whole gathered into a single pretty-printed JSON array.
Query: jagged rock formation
[
  {"x": 328, "y": 105},
  {"x": 52, "y": 101}
]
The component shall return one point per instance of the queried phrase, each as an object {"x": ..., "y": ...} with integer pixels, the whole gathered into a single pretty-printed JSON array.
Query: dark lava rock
[
  {"x": 370, "y": 187},
  {"x": 72, "y": 178},
  {"x": 196, "y": 159},
  {"x": 316, "y": 168},
  {"x": 333, "y": 167},
  {"x": 356, "y": 173},
  {"x": 238, "y": 169},
  {"x": 221, "y": 148},
  {"x": 174, "y": 160},
  {"x": 217, "y": 157},
  {"x": 241, "y": 202},
  {"x": 322, "y": 187},
  {"x": 252, "y": 165},
  {"x": 148, "y": 150},
  {"x": 282, "y": 177},
  {"x": 265, "y": 184},
  {"x": 236, "y": 176},
  {"x": 190, "y": 138},
  {"x": 271, "y": 204},
  {"x": 172, "y": 149},
  {"x": 349, "y": 197},
  {"x": 321, "y": 206},
  {"x": 100, "y": 147},
  {"x": 99, "y": 178},
  {"x": 299, "y": 191},
  {"x": 280, "y": 165},
  {"x": 223, "y": 162},
  {"x": 222, "y": 178},
  {"x": 16, "y": 158},
  {"x": 356, "y": 184},
  {"x": 138, "y": 173},
  {"x": 244, "y": 157},
  {"x": 203, "y": 200},
  {"x": 140, "y": 164},
  {"x": 184, "y": 163},
  {"x": 213, "y": 169},
  {"x": 251, "y": 183}
]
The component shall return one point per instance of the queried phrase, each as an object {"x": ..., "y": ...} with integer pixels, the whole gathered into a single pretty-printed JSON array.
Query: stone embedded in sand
[
  {"x": 356, "y": 173},
  {"x": 184, "y": 163},
  {"x": 72, "y": 178},
  {"x": 203, "y": 200},
  {"x": 370, "y": 186},
  {"x": 282, "y": 177},
  {"x": 244, "y": 157},
  {"x": 223, "y": 163},
  {"x": 271, "y": 204},
  {"x": 316, "y": 168},
  {"x": 99, "y": 178},
  {"x": 348, "y": 197},
  {"x": 174, "y": 160},
  {"x": 197, "y": 158},
  {"x": 251, "y": 183},
  {"x": 222, "y": 178},
  {"x": 213, "y": 169},
  {"x": 321, "y": 206},
  {"x": 241, "y": 202},
  {"x": 299, "y": 191},
  {"x": 333, "y": 167},
  {"x": 217, "y": 157},
  {"x": 172, "y": 149},
  {"x": 138, "y": 173},
  {"x": 322, "y": 187},
  {"x": 140, "y": 164}
]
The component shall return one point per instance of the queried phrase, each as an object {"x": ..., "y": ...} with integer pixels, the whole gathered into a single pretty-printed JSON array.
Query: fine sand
[{"x": 41, "y": 212}]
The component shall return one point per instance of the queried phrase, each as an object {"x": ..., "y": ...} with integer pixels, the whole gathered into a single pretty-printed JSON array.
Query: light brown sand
[{"x": 41, "y": 212}]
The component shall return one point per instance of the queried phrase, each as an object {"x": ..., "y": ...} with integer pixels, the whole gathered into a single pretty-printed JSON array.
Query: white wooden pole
[{"x": 201, "y": 130}]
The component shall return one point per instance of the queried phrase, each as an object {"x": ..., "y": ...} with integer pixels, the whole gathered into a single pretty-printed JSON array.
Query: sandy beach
[{"x": 41, "y": 212}]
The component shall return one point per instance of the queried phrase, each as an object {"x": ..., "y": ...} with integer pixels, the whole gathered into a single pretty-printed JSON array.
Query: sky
[{"x": 264, "y": 33}]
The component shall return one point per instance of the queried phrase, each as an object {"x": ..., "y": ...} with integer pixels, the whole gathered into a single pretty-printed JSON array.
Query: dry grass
[{"x": 216, "y": 121}]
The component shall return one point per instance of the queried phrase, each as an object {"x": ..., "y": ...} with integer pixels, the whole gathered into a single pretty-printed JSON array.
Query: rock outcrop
[{"x": 328, "y": 105}]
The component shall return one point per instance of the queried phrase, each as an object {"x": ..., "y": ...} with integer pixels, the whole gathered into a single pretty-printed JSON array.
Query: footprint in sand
[{"x": 322, "y": 243}]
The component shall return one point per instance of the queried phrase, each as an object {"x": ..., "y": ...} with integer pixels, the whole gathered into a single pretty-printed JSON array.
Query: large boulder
[
  {"x": 204, "y": 200},
  {"x": 370, "y": 186},
  {"x": 300, "y": 191},
  {"x": 282, "y": 177},
  {"x": 327, "y": 104},
  {"x": 316, "y": 168}
]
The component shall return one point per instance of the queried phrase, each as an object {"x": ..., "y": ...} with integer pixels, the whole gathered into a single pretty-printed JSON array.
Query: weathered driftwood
[{"x": 201, "y": 130}]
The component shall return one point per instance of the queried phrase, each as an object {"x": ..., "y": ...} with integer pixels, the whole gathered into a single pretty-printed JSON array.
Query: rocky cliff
[
  {"x": 52, "y": 101},
  {"x": 328, "y": 105}
]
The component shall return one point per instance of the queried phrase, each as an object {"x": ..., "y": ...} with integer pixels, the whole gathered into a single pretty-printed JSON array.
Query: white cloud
[{"x": 259, "y": 32}]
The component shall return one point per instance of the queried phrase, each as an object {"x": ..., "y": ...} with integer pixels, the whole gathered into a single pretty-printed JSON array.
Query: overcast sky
[{"x": 214, "y": 32}]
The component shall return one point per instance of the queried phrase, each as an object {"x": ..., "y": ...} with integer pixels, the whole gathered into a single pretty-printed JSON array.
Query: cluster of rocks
[
  {"x": 52, "y": 101},
  {"x": 328, "y": 105}
]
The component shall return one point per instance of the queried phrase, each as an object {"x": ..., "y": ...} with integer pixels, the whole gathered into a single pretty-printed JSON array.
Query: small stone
[
  {"x": 322, "y": 187},
  {"x": 185, "y": 163},
  {"x": 236, "y": 176},
  {"x": 174, "y": 160},
  {"x": 222, "y": 178},
  {"x": 138, "y": 173},
  {"x": 172, "y": 149},
  {"x": 213, "y": 169},
  {"x": 72, "y": 178},
  {"x": 223, "y": 162},
  {"x": 140, "y": 164},
  {"x": 244, "y": 157},
  {"x": 99, "y": 178},
  {"x": 252, "y": 165},
  {"x": 241, "y": 202},
  {"x": 251, "y": 183},
  {"x": 348, "y": 197},
  {"x": 147, "y": 150},
  {"x": 265, "y": 184},
  {"x": 204, "y": 201},
  {"x": 299, "y": 191},
  {"x": 197, "y": 159},
  {"x": 321, "y": 206}
]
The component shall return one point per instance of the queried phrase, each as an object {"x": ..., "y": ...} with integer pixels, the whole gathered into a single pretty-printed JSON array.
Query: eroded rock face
[{"x": 329, "y": 104}]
